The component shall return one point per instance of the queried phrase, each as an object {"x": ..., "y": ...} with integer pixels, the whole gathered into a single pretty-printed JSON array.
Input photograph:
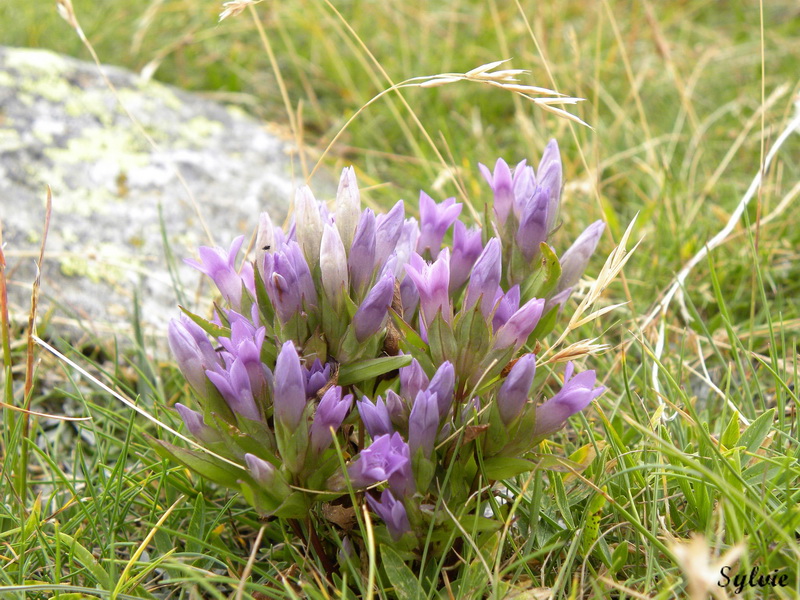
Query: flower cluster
[{"x": 376, "y": 352}]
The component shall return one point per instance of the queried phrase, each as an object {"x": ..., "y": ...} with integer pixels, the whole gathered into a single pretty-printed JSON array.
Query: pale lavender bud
[
  {"x": 423, "y": 423},
  {"x": 433, "y": 282},
  {"x": 348, "y": 206},
  {"x": 332, "y": 410},
  {"x": 245, "y": 344},
  {"x": 265, "y": 242},
  {"x": 392, "y": 512},
  {"x": 406, "y": 245},
  {"x": 524, "y": 187},
  {"x": 283, "y": 288},
  {"x": 333, "y": 266},
  {"x": 533, "y": 226},
  {"x": 289, "y": 398},
  {"x": 506, "y": 305},
  {"x": 192, "y": 350},
  {"x": 442, "y": 384},
  {"x": 196, "y": 425},
  {"x": 485, "y": 278},
  {"x": 375, "y": 416},
  {"x": 435, "y": 220},
  {"x": 409, "y": 297},
  {"x": 502, "y": 185},
  {"x": 361, "y": 260},
  {"x": 520, "y": 325},
  {"x": 294, "y": 255},
  {"x": 261, "y": 470},
  {"x": 412, "y": 379},
  {"x": 234, "y": 385},
  {"x": 388, "y": 458},
  {"x": 558, "y": 299},
  {"x": 308, "y": 224},
  {"x": 575, "y": 260},
  {"x": 317, "y": 375},
  {"x": 397, "y": 408},
  {"x": 575, "y": 395},
  {"x": 514, "y": 392},
  {"x": 467, "y": 246},
  {"x": 372, "y": 313},
  {"x": 387, "y": 233},
  {"x": 549, "y": 178},
  {"x": 220, "y": 267}
]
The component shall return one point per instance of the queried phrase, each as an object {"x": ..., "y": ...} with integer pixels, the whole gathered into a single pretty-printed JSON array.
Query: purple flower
[
  {"x": 196, "y": 425},
  {"x": 308, "y": 224},
  {"x": 317, "y": 375},
  {"x": 423, "y": 423},
  {"x": 524, "y": 187},
  {"x": 502, "y": 185},
  {"x": 361, "y": 260},
  {"x": 409, "y": 298},
  {"x": 289, "y": 398},
  {"x": 234, "y": 385},
  {"x": 348, "y": 206},
  {"x": 413, "y": 379},
  {"x": 442, "y": 384},
  {"x": 467, "y": 246},
  {"x": 533, "y": 226},
  {"x": 392, "y": 512},
  {"x": 575, "y": 395},
  {"x": 397, "y": 408},
  {"x": 370, "y": 316},
  {"x": 558, "y": 299},
  {"x": 192, "y": 350},
  {"x": 432, "y": 281},
  {"x": 261, "y": 470},
  {"x": 375, "y": 417},
  {"x": 388, "y": 458},
  {"x": 333, "y": 266},
  {"x": 288, "y": 281},
  {"x": 245, "y": 344},
  {"x": 387, "y": 233},
  {"x": 513, "y": 394},
  {"x": 485, "y": 278},
  {"x": 506, "y": 305},
  {"x": 219, "y": 266},
  {"x": 520, "y": 325},
  {"x": 576, "y": 258},
  {"x": 330, "y": 413},
  {"x": 434, "y": 221},
  {"x": 548, "y": 177}
]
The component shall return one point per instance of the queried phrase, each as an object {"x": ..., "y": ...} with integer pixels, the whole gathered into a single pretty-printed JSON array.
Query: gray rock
[{"x": 60, "y": 125}]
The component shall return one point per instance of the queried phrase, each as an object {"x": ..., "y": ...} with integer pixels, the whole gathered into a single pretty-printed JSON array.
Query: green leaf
[
  {"x": 364, "y": 370},
  {"x": 754, "y": 435},
  {"x": 294, "y": 507},
  {"x": 203, "y": 464},
  {"x": 406, "y": 585},
  {"x": 730, "y": 436},
  {"x": 210, "y": 328},
  {"x": 84, "y": 557},
  {"x": 498, "y": 468},
  {"x": 551, "y": 273},
  {"x": 197, "y": 525}
]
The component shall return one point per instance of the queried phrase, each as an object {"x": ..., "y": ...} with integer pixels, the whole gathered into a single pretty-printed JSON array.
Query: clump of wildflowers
[{"x": 376, "y": 352}]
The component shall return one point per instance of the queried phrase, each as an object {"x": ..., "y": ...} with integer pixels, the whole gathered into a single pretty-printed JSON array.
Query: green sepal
[
  {"x": 441, "y": 341},
  {"x": 364, "y": 370},
  {"x": 472, "y": 337},
  {"x": 293, "y": 445},
  {"x": 210, "y": 328},
  {"x": 264, "y": 503},
  {"x": 265, "y": 307},
  {"x": 546, "y": 277},
  {"x": 408, "y": 333},
  {"x": 296, "y": 506},
  {"x": 423, "y": 469}
]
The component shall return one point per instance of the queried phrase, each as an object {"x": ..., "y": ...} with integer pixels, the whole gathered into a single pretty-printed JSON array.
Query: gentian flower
[
  {"x": 392, "y": 512},
  {"x": 388, "y": 229},
  {"x": 234, "y": 385},
  {"x": 361, "y": 260},
  {"x": 397, "y": 408},
  {"x": 289, "y": 398},
  {"x": 467, "y": 246},
  {"x": 196, "y": 425},
  {"x": 348, "y": 206},
  {"x": 501, "y": 183},
  {"x": 371, "y": 315},
  {"x": 308, "y": 224},
  {"x": 413, "y": 379},
  {"x": 485, "y": 278},
  {"x": 375, "y": 416},
  {"x": 433, "y": 282},
  {"x": 575, "y": 260},
  {"x": 505, "y": 306},
  {"x": 514, "y": 393},
  {"x": 520, "y": 325},
  {"x": 386, "y": 459},
  {"x": 434, "y": 221},
  {"x": 191, "y": 348},
  {"x": 261, "y": 470},
  {"x": 423, "y": 423},
  {"x": 220, "y": 267},
  {"x": 245, "y": 344},
  {"x": 575, "y": 395},
  {"x": 533, "y": 227},
  {"x": 442, "y": 384},
  {"x": 333, "y": 266},
  {"x": 332, "y": 410},
  {"x": 317, "y": 375}
]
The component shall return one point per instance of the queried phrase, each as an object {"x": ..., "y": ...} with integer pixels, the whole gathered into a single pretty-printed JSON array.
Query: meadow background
[{"x": 685, "y": 99}]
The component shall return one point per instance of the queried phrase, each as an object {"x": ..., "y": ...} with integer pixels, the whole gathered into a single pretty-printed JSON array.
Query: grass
[{"x": 685, "y": 100}]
